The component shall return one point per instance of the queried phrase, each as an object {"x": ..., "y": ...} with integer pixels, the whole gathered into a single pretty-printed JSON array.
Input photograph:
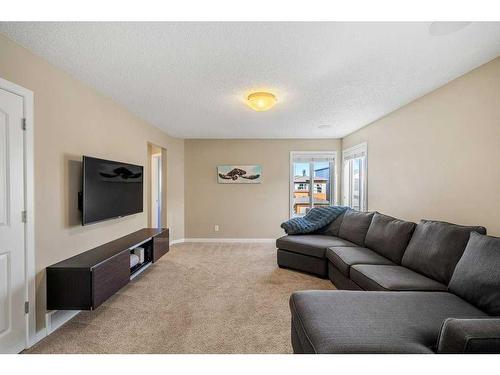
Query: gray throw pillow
[
  {"x": 389, "y": 236},
  {"x": 436, "y": 247},
  {"x": 355, "y": 225},
  {"x": 477, "y": 276}
]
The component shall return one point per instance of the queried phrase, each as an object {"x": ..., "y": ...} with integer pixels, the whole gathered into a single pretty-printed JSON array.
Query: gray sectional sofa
[{"x": 431, "y": 287}]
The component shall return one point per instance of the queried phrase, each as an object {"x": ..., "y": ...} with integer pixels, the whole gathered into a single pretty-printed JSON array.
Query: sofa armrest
[{"x": 469, "y": 336}]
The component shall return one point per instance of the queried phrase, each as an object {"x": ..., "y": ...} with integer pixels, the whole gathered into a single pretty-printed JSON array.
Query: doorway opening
[{"x": 157, "y": 217}]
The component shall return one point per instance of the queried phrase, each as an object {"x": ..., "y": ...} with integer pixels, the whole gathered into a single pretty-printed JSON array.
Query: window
[
  {"x": 312, "y": 181},
  {"x": 354, "y": 191}
]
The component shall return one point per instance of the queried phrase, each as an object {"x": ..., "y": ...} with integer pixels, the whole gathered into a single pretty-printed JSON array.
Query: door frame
[
  {"x": 157, "y": 158},
  {"x": 29, "y": 206}
]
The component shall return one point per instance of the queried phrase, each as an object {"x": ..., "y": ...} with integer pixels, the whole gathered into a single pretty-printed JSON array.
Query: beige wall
[
  {"x": 439, "y": 156},
  {"x": 241, "y": 210},
  {"x": 71, "y": 120}
]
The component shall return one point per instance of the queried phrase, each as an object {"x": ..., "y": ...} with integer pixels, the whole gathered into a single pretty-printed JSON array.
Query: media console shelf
[{"x": 85, "y": 281}]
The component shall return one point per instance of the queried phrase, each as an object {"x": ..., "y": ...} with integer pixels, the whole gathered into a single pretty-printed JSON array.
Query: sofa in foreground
[{"x": 431, "y": 287}]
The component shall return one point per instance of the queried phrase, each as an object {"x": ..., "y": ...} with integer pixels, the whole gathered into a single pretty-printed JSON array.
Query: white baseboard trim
[
  {"x": 56, "y": 318},
  {"x": 39, "y": 336},
  {"x": 253, "y": 240},
  {"x": 181, "y": 240}
]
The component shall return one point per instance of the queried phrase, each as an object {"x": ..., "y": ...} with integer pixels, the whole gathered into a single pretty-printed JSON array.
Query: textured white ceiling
[{"x": 189, "y": 79}]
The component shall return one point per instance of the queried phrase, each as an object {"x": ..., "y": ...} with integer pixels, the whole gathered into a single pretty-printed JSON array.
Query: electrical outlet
[{"x": 216, "y": 228}]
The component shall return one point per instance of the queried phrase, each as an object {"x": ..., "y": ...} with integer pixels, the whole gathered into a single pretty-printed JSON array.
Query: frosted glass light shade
[{"x": 261, "y": 101}]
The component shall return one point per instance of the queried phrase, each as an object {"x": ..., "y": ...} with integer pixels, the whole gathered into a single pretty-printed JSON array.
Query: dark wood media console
[{"x": 85, "y": 281}]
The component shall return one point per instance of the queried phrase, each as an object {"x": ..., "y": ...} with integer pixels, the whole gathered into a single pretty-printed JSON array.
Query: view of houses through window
[{"x": 312, "y": 182}]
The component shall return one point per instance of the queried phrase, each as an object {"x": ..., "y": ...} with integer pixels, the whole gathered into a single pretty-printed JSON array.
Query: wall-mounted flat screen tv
[{"x": 111, "y": 189}]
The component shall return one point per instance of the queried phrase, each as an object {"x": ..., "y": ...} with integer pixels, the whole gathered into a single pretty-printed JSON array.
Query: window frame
[
  {"x": 334, "y": 198},
  {"x": 347, "y": 154}
]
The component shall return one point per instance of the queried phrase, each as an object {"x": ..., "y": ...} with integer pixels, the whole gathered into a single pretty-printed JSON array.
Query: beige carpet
[{"x": 199, "y": 298}]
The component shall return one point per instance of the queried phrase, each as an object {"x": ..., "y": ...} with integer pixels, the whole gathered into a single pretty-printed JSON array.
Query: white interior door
[{"x": 12, "y": 255}]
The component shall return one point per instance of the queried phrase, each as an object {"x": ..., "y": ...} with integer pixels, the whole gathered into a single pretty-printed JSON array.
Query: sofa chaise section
[{"x": 368, "y": 322}]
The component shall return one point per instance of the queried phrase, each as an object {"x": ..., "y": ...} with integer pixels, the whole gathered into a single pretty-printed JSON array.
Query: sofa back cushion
[
  {"x": 477, "y": 276},
  {"x": 355, "y": 225},
  {"x": 333, "y": 228},
  {"x": 389, "y": 236},
  {"x": 436, "y": 247}
]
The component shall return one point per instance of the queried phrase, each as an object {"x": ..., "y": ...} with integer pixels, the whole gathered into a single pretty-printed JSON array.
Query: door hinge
[
  {"x": 26, "y": 307},
  {"x": 23, "y": 124},
  {"x": 24, "y": 216}
]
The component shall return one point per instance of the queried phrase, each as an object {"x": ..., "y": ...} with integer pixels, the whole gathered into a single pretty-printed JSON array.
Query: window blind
[
  {"x": 354, "y": 153},
  {"x": 311, "y": 158}
]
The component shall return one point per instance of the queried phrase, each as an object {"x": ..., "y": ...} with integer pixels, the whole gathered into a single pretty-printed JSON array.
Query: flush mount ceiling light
[{"x": 261, "y": 101}]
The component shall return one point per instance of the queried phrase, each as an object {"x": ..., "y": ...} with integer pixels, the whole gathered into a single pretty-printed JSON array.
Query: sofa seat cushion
[
  {"x": 355, "y": 225},
  {"x": 345, "y": 257},
  {"x": 392, "y": 278},
  {"x": 436, "y": 247},
  {"x": 340, "y": 281},
  {"x": 389, "y": 236},
  {"x": 367, "y": 322},
  {"x": 313, "y": 245},
  {"x": 477, "y": 275}
]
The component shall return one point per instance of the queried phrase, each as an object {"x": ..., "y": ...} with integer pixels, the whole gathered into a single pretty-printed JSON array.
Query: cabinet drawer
[
  {"x": 69, "y": 289},
  {"x": 160, "y": 245},
  {"x": 110, "y": 276}
]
